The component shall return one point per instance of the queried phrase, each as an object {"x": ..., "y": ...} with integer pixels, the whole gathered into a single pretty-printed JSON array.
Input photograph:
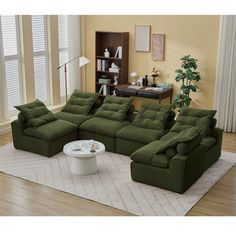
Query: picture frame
[
  {"x": 158, "y": 47},
  {"x": 142, "y": 38}
]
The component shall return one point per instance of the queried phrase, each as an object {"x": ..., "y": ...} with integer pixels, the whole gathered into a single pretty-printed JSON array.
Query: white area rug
[{"x": 112, "y": 184}]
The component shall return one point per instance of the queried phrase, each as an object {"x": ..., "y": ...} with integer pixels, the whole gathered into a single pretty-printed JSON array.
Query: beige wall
[{"x": 195, "y": 35}]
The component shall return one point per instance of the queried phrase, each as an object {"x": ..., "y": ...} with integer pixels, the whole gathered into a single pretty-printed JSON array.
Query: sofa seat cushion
[
  {"x": 76, "y": 119},
  {"x": 169, "y": 135},
  {"x": 80, "y": 102},
  {"x": 51, "y": 131},
  {"x": 103, "y": 126},
  {"x": 35, "y": 113},
  {"x": 147, "y": 155},
  {"x": 191, "y": 117},
  {"x": 208, "y": 142},
  {"x": 114, "y": 108},
  {"x": 138, "y": 134},
  {"x": 152, "y": 116}
]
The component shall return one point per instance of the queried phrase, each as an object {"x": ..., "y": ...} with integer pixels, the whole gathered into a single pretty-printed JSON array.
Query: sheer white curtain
[
  {"x": 225, "y": 92},
  {"x": 74, "y": 51}
]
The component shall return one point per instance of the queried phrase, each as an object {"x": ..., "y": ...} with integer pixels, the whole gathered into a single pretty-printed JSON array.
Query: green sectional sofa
[{"x": 166, "y": 152}]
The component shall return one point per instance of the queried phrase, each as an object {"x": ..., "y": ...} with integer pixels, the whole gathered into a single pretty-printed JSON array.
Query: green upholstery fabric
[
  {"x": 103, "y": 126},
  {"x": 95, "y": 106},
  {"x": 21, "y": 117},
  {"x": 171, "y": 152},
  {"x": 80, "y": 102},
  {"x": 76, "y": 119},
  {"x": 191, "y": 137},
  {"x": 191, "y": 117},
  {"x": 35, "y": 113},
  {"x": 52, "y": 130},
  {"x": 169, "y": 135},
  {"x": 127, "y": 147},
  {"x": 147, "y": 155},
  {"x": 42, "y": 147},
  {"x": 114, "y": 108},
  {"x": 208, "y": 142},
  {"x": 182, "y": 172},
  {"x": 138, "y": 134},
  {"x": 187, "y": 147},
  {"x": 152, "y": 116}
]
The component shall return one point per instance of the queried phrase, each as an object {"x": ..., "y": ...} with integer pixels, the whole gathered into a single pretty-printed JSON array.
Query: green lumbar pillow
[
  {"x": 80, "y": 102},
  {"x": 114, "y": 108},
  {"x": 191, "y": 117},
  {"x": 35, "y": 113},
  {"x": 152, "y": 116}
]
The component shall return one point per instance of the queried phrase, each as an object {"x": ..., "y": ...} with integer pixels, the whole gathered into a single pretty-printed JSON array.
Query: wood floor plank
[{"x": 22, "y": 197}]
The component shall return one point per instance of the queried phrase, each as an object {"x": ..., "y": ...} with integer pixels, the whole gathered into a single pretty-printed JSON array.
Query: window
[
  {"x": 63, "y": 51},
  {"x": 9, "y": 38},
  {"x": 39, "y": 36}
]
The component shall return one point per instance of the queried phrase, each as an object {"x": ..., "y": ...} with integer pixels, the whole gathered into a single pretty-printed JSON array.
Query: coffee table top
[{"x": 82, "y": 148}]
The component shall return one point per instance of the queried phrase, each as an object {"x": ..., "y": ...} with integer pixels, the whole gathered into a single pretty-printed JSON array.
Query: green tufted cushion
[
  {"x": 80, "y": 102},
  {"x": 35, "y": 113},
  {"x": 114, "y": 108},
  {"x": 191, "y": 117},
  {"x": 185, "y": 148},
  {"x": 152, "y": 116}
]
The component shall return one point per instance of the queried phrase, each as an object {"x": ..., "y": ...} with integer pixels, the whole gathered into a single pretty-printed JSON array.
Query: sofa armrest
[
  {"x": 189, "y": 166},
  {"x": 217, "y": 133}
]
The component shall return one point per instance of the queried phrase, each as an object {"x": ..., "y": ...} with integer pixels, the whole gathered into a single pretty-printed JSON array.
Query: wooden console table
[{"x": 125, "y": 91}]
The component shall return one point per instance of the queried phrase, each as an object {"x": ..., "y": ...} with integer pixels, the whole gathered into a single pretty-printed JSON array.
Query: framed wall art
[
  {"x": 158, "y": 47},
  {"x": 142, "y": 38}
]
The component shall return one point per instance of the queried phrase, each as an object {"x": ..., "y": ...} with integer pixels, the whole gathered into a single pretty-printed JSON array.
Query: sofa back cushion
[
  {"x": 114, "y": 108},
  {"x": 35, "y": 113},
  {"x": 152, "y": 116},
  {"x": 191, "y": 117},
  {"x": 80, "y": 102}
]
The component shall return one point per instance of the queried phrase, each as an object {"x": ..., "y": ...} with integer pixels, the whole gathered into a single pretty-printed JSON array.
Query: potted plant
[{"x": 187, "y": 75}]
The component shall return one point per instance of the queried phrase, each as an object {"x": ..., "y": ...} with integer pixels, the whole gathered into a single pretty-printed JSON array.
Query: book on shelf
[
  {"x": 99, "y": 64},
  {"x": 118, "y": 53},
  {"x": 105, "y": 65},
  {"x": 104, "y": 90}
]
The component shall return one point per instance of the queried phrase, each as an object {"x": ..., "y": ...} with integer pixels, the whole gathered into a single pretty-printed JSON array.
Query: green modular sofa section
[{"x": 160, "y": 156}]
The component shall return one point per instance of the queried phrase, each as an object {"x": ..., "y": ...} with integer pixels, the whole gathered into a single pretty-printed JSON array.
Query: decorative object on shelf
[
  {"x": 104, "y": 90},
  {"x": 114, "y": 68},
  {"x": 118, "y": 53},
  {"x": 187, "y": 75},
  {"x": 116, "y": 77},
  {"x": 104, "y": 80},
  {"x": 82, "y": 62},
  {"x": 133, "y": 75},
  {"x": 142, "y": 38},
  {"x": 114, "y": 93},
  {"x": 158, "y": 46},
  {"x": 155, "y": 73},
  {"x": 106, "y": 53}
]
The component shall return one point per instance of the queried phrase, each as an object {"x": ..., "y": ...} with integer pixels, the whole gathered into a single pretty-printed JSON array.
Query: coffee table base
[{"x": 84, "y": 166}]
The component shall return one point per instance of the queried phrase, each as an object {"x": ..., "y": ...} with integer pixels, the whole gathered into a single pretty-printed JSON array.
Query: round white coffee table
[{"x": 83, "y": 159}]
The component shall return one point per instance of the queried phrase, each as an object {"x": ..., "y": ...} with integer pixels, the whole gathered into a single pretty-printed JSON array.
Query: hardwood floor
[{"x": 22, "y": 197}]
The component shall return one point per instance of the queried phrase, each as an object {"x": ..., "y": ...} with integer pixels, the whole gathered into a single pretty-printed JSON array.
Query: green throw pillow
[
  {"x": 152, "y": 116},
  {"x": 35, "y": 113},
  {"x": 191, "y": 117},
  {"x": 114, "y": 108},
  {"x": 80, "y": 102}
]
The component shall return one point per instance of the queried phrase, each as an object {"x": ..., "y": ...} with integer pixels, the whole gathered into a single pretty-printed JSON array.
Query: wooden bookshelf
[{"x": 112, "y": 40}]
